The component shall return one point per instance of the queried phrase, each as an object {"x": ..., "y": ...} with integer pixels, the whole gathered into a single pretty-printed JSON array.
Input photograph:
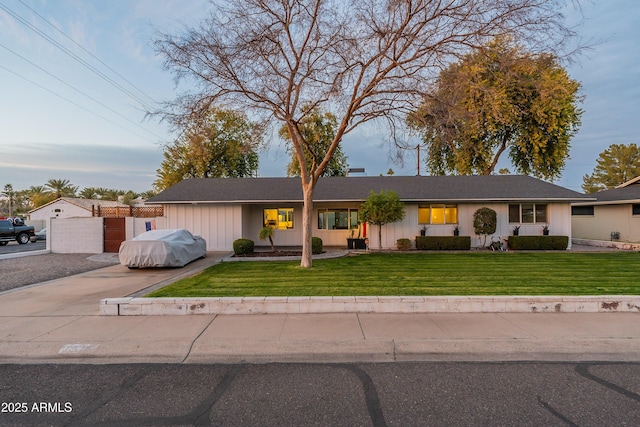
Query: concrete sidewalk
[{"x": 60, "y": 322}]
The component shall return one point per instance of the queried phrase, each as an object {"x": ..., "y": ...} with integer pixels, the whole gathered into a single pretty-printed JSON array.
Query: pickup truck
[{"x": 14, "y": 229}]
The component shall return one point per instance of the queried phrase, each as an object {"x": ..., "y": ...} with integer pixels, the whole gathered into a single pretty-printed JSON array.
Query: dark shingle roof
[
  {"x": 409, "y": 188},
  {"x": 630, "y": 193}
]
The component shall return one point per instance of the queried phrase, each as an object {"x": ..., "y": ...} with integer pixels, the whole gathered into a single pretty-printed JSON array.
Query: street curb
[
  {"x": 131, "y": 306},
  {"x": 324, "y": 351},
  {"x": 24, "y": 254}
]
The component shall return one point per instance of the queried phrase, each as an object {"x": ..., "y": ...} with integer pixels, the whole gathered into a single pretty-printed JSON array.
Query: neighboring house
[
  {"x": 224, "y": 209},
  {"x": 76, "y": 225},
  {"x": 613, "y": 215},
  {"x": 70, "y": 207}
]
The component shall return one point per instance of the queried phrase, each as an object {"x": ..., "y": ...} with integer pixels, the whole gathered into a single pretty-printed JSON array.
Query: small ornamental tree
[
  {"x": 267, "y": 233},
  {"x": 380, "y": 209},
  {"x": 484, "y": 223}
]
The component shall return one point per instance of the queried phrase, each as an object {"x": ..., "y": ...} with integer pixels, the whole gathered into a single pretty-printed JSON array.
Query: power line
[
  {"x": 75, "y": 57},
  {"x": 88, "y": 52},
  {"x": 73, "y": 103},
  {"x": 79, "y": 91}
]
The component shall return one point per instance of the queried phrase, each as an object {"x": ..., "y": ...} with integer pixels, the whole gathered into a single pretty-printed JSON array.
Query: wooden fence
[{"x": 128, "y": 211}]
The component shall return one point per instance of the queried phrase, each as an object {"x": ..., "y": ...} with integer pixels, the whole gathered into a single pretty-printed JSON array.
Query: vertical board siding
[{"x": 219, "y": 225}]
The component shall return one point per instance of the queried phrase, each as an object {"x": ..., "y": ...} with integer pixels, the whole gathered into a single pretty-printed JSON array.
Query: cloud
[{"x": 27, "y": 165}]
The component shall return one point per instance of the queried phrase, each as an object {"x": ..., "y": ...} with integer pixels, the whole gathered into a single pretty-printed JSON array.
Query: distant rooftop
[
  {"x": 84, "y": 203},
  {"x": 628, "y": 192}
]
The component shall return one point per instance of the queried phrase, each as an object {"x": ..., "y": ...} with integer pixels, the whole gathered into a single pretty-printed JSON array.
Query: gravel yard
[{"x": 28, "y": 270}]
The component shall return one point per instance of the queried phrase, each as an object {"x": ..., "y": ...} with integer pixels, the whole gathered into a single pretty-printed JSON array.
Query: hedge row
[
  {"x": 533, "y": 243},
  {"x": 443, "y": 243}
]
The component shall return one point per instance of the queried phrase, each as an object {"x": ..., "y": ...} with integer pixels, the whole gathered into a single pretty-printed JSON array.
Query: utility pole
[
  {"x": 8, "y": 191},
  {"x": 418, "y": 148}
]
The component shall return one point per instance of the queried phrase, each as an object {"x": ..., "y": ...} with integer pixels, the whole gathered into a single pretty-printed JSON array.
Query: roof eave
[
  {"x": 627, "y": 183},
  {"x": 61, "y": 199},
  {"x": 608, "y": 202},
  {"x": 203, "y": 202},
  {"x": 458, "y": 200}
]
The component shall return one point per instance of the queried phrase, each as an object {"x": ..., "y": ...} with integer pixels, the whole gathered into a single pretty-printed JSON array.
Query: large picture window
[
  {"x": 280, "y": 218},
  {"x": 337, "y": 219},
  {"x": 528, "y": 213},
  {"x": 437, "y": 214}
]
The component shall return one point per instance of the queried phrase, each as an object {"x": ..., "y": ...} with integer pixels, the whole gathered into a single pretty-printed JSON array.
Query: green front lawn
[{"x": 512, "y": 273}]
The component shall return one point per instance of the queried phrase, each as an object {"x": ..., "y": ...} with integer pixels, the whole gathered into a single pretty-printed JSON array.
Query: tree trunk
[
  {"x": 380, "y": 236},
  {"x": 503, "y": 146},
  {"x": 307, "y": 222}
]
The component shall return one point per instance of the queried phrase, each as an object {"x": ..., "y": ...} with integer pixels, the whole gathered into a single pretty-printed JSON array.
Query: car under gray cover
[{"x": 162, "y": 248}]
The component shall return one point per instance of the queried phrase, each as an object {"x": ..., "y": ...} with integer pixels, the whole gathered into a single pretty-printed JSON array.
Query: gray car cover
[{"x": 162, "y": 248}]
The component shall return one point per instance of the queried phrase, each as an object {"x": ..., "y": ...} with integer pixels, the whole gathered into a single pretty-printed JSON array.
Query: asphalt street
[
  {"x": 15, "y": 247},
  {"x": 403, "y": 394}
]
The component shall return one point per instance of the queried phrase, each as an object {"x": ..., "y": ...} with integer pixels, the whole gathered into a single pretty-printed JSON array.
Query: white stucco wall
[
  {"x": 76, "y": 235},
  {"x": 605, "y": 219},
  {"x": 86, "y": 235}
]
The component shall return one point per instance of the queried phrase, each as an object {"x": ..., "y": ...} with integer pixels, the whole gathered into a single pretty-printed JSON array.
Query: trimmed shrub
[
  {"x": 403, "y": 244},
  {"x": 243, "y": 246},
  {"x": 316, "y": 245},
  {"x": 443, "y": 243},
  {"x": 485, "y": 221},
  {"x": 543, "y": 243}
]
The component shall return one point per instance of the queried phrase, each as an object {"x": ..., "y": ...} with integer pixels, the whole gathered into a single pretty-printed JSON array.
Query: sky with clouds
[{"x": 78, "y": 113}]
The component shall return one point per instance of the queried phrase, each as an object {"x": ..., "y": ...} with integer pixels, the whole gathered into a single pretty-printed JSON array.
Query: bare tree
[{"x": 362, "y": 60}]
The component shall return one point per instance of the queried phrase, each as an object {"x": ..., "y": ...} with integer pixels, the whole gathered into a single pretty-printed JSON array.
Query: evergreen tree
[{"x": 616, "y": 165}]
